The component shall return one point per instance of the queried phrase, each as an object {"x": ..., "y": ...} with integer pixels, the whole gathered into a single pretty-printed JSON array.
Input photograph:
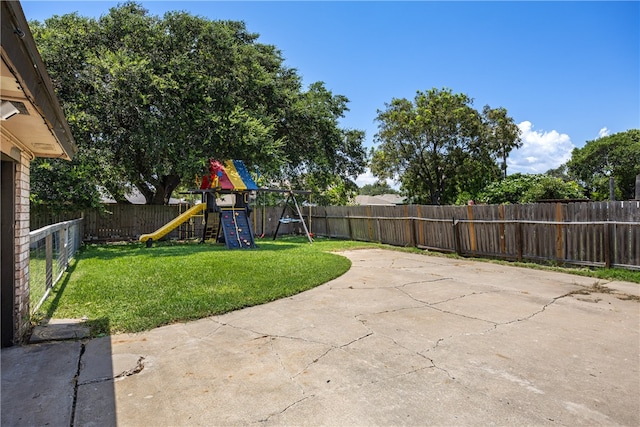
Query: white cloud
[
  {"x": 540, "y": 150},
  {"x": 368, "y": 178},
  {"x": 603, "y": 132}
]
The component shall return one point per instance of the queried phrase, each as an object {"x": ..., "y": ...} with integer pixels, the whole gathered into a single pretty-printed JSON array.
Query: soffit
[{"x": 41, "y": 127}]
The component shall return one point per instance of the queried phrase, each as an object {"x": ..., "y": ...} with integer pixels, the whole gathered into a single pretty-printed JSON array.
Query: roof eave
[{"x": 18, "y": 45}]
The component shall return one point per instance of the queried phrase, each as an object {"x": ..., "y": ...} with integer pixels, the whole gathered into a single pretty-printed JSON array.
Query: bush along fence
[{"x": 605, "y": 234}]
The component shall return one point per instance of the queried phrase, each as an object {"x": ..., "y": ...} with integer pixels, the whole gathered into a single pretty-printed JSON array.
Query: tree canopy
[
  {"x": 440, "y": 147},
  {"x": 529, "y": 188},
  {"x": 376, "y": 189},
  {"x": 150, "y": 100},
  {"x": 616, "y": 156}
]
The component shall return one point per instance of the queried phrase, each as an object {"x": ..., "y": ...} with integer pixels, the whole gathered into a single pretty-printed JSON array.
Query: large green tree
[
  {"x": 376, "y": 189},
  {"x": 150, "y": 99},
  {"x": 440, "y": 147},
  {"x": 529, "y": 188},
  {"x": 616, "y": 156}
]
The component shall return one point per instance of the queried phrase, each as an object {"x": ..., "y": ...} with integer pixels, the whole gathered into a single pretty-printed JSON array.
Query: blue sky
[{"x": 567, "y": 72}]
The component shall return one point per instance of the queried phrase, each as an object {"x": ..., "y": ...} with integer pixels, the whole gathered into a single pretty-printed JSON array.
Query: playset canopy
[{"x": 232, "y": 175}]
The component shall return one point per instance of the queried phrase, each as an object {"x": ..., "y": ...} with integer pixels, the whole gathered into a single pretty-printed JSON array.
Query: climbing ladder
[
  {"x": 212, "y": 227},
  {"x": 236, "y": 228}
]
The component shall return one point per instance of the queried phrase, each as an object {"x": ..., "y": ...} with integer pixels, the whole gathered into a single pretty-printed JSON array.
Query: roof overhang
[{"x": 32, "y": 118}]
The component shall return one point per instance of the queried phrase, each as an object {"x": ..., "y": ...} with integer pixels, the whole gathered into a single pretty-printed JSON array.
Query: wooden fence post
[
  {"x": 519, "y": 241},
  {"x": 414, "y": 232},
  {"x": 369, "y": 228},
  {"x": 456, "y": 237},
  {"x": 409, "y": 228},
  {"x": 420, "y": 227},
  {"x": 472, "y": 229},
  {"x": 559, "y": 237},
  {"x": 607, "y": 245},
  {"x": 503, "y": 244},
  {"x": 326, "y": 223}
]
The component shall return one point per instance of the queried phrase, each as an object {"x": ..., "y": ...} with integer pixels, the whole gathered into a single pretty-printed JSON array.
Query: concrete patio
[{"x": 400, "y": 339}]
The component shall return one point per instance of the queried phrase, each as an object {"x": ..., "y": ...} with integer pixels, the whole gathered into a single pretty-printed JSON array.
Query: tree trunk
[
  {"x": 118, "y": 195},
  {"x": 147, "y": 192},
  {"x": 165, "y": 188}
]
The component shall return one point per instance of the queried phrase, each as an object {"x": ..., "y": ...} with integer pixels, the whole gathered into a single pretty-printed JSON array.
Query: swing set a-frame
[{"x": 290, "y": 205}]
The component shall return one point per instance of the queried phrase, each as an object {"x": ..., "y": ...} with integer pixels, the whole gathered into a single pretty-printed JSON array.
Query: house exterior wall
[
  {"x": 40, "y": 131},
  {"x": 22, "y": 229}
]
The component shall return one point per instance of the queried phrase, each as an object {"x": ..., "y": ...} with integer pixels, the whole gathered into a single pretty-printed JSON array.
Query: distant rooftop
[{"x": 380, "y": 200}]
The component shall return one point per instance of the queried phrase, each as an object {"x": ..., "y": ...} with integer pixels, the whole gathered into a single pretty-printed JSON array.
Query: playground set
[{"x": 228, "y": 224}]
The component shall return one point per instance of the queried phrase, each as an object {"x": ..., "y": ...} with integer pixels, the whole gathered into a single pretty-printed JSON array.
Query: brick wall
[{"x": 21, "y": 304}]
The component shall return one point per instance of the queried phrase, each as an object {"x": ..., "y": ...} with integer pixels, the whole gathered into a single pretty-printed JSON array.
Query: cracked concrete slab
[
  {"x": 400, "y": 339},
  {"x": 38, "y": 384},
  {"x": 59, "y": 329}
]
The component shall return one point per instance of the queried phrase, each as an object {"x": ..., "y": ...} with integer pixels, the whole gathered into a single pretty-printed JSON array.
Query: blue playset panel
[
  {"x": 244, "y": 174},
  {"x": 237, "y": 229}
]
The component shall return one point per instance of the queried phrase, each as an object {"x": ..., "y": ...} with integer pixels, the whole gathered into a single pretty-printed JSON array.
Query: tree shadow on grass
[{"x": 169, "y": 249}]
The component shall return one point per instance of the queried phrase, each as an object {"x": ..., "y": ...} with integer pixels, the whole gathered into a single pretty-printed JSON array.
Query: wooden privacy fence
[
  {"x": 586, "y": 233},
  {"x": 128, "y": 222},
  {"x": 589, "y": 233}
]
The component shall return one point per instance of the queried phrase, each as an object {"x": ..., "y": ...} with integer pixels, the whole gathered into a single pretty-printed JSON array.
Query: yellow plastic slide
[{"x": 168, "y": 227}]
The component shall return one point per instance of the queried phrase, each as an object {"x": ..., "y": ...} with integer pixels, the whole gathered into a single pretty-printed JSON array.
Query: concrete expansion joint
[{"x": 75, "y": 384}]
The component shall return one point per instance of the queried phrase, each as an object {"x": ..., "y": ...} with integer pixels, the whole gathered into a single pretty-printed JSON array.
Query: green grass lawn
[
  {"x": 131, "y": 288},
  {"x": 37, "y": 277}
]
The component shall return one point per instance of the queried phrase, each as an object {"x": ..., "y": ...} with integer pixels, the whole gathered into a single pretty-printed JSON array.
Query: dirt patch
[{"x": 598, "y": 288}]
